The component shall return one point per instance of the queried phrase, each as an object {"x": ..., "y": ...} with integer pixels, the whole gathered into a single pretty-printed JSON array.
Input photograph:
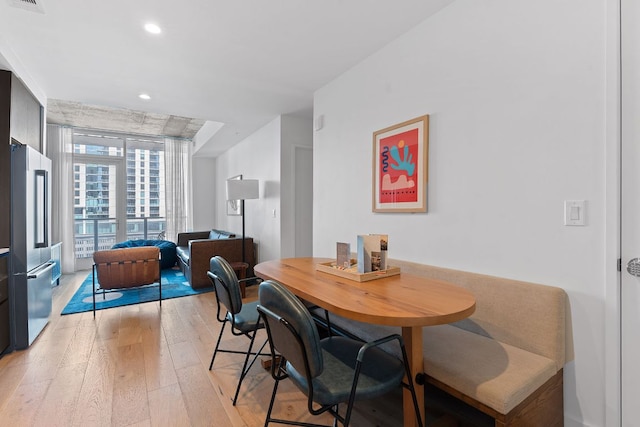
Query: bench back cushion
[{"x": 525, "y": 315}]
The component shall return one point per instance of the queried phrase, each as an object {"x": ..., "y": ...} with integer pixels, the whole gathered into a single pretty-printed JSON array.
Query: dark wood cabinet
[
  {"x": 21, "y": 119},
  {"x": 26, "y": 124},
  {"x": 5, "y": 337}
]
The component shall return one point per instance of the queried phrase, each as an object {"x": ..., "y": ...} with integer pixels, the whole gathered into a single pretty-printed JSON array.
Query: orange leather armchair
[{"x": 126, "y": 268}]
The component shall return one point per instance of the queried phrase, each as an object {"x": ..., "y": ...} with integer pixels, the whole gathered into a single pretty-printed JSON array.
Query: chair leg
[
  {"x": 335, "y": 419},
  {"x": 245, "y": 368},
  {"x": 352, "y": 395},
  {"x": 243, "y": 371},
  {"x": 326, "y": 316},
  {"x": 215, "y": 351},
  {"x": 93, "y": 278},
  {"x": 273, "y": 399}
]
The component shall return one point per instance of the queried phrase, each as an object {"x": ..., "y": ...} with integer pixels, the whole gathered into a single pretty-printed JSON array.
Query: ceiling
[
  {"x": 237, "y": 64},
  {"x": 88, "y": 116}
]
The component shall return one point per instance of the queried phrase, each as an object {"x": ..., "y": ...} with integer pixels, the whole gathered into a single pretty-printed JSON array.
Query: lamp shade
[{"x": 242, "y": 189}]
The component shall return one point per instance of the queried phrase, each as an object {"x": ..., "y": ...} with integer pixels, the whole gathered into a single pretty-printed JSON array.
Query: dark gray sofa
[{"x": 195, "y": 249}]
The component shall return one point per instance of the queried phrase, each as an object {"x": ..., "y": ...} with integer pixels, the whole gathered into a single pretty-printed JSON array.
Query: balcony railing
[{"x": 98, "y": 234}]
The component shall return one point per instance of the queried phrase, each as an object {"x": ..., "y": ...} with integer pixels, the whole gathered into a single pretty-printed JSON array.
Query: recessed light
[
  {"x": 144, "y": 96},
  {"x": 152, "y": 28}
]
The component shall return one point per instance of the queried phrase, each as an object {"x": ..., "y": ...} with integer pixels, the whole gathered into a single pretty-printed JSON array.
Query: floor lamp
[{"x": 242, "y": 189}]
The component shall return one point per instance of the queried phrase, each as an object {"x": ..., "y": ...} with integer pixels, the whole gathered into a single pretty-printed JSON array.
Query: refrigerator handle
[{"x": 44, "y": 268}]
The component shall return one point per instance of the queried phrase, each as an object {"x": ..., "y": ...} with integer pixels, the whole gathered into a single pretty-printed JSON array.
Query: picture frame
[
  {"x": 400, "y": 167},
  {"x": 234, "y": 207}
]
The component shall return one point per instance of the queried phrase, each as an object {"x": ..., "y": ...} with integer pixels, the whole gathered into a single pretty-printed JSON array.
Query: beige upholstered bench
[{"x": 506, "y": 360}]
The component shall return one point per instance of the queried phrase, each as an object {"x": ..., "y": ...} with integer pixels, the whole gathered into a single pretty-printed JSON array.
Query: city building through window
[{"x": 120, "y": 189}]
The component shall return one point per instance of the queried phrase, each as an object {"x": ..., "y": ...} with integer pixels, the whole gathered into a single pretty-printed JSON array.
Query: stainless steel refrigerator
[{"x": 30, "y": 278}]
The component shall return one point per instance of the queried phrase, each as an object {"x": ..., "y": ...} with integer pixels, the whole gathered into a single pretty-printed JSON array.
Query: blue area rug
[{"x": 174, "y": 285}]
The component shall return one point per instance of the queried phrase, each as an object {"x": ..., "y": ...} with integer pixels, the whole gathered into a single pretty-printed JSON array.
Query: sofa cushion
[
  {"x": 219, "y": 234},
  {"x": 183, "y": 253}
]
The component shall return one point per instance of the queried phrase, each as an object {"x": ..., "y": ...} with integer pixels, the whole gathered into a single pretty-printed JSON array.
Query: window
[{"x": 108, "y": 171}]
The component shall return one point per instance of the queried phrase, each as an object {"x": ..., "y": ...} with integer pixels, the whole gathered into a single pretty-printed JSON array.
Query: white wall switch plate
[{"x": 575, "y": 212}]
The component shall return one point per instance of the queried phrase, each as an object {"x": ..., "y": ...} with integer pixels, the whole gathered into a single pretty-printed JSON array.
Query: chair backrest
[
  {"x": 226, "y": 285},
  {"x": 292, "y": 331},
  {"x": 127, "y": 267}
]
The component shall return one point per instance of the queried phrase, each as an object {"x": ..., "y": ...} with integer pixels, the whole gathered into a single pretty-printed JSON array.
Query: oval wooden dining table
[{"x": 404, "y": 300}]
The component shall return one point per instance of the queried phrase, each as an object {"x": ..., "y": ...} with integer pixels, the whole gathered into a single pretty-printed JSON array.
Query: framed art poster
[
  {"x": 234, "y": 207},
  {"x": 400, "y": 167}
]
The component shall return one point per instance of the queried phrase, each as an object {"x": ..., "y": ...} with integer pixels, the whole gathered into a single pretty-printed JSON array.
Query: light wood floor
[{"x": 143, "y": 365}]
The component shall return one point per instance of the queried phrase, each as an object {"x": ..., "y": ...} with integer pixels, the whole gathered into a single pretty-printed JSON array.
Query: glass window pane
[{"x": 98, "y": 144}]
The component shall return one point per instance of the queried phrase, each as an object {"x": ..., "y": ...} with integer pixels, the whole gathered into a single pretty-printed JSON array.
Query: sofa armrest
[
  {"x": 184, "y": 238},
  {"x": 201, "y": 252}
]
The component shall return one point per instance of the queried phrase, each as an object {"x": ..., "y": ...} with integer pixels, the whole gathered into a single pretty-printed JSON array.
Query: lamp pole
[{"x": 242, "y": 208}]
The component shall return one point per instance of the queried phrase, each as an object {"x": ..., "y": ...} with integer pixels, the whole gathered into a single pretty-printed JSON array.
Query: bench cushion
[
  {"x": 496, "y": 374},
  {"x": 523, "y": 314}
]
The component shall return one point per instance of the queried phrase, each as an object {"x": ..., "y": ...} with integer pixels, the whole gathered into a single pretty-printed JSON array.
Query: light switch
[{"x": 574, "y": 212}]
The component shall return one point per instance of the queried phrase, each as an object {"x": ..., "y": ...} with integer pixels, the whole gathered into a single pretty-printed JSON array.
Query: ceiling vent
[{"x": 32, "y": 5}]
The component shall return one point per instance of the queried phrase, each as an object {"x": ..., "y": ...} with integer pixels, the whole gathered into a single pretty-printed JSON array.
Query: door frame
[
  {"x": 613, "y": 212},
  {"x": 121, "y": 197}
]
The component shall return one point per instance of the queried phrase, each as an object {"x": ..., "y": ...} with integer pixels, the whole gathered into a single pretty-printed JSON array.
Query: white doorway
[
  {"x": 98, "y": 206},
  {"x": 303, "y": 200}
]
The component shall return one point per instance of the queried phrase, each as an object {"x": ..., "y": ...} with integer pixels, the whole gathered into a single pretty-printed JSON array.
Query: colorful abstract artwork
[{"x": 400, "y": 168}]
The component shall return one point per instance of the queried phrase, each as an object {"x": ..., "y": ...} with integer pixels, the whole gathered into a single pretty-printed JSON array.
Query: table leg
[{"x": 413, "y": 342}]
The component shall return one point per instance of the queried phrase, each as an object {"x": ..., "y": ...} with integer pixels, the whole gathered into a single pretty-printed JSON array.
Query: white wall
[
  {"x": 266, "y": 155},
  {"x": 296, "y": 133},
  {"x": 203, "y": 177},
  {"x": 256, "y": 157},
  {"x": 515, "y": 91}
]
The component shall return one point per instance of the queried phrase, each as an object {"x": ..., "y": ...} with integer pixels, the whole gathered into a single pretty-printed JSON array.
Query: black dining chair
[
  {"x": 244, "y": 318},
  {"x": 330, "y": 371}
]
